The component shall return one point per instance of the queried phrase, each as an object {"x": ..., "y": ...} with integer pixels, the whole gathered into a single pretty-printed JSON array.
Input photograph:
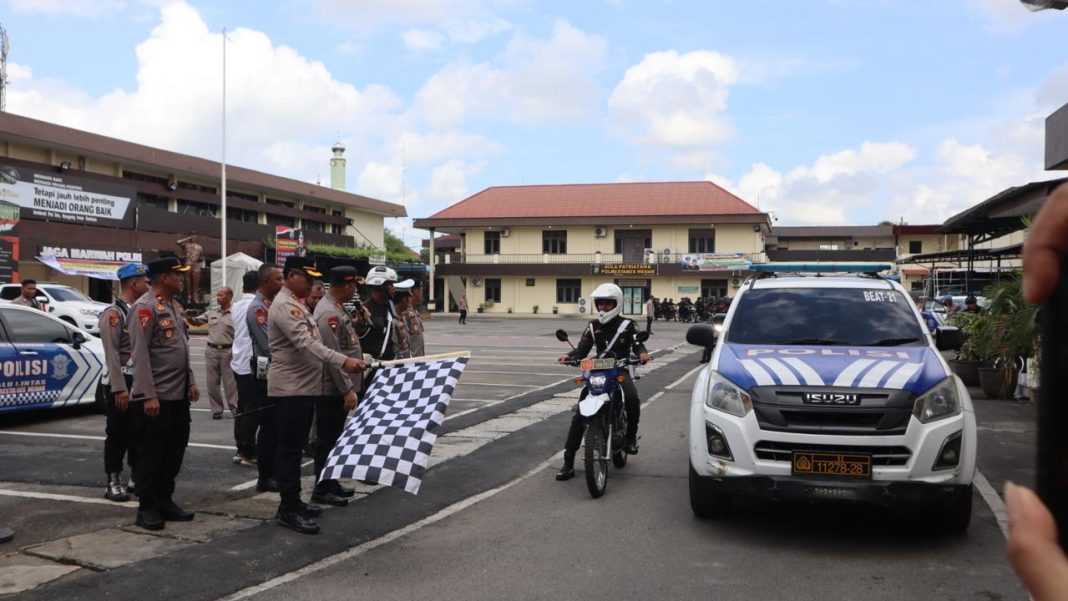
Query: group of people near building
[{"x": 289, "y": 353}]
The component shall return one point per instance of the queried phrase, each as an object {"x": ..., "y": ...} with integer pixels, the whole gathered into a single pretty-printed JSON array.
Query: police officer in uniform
[
  {"x": 119, "y": 428},
  {"x": 163, "y": 387},
  {"x": 294, "y": 382},
  {"x": 340, "y": 391},
  {"x": 402, "y": 301},
  {"x": 217, "y": 354},
  {"x": 271, "y": 283},
  {"x": 416, "y": 343},
  {"x": 379, "y": 317},
  {"x": 611, "y": 334}
]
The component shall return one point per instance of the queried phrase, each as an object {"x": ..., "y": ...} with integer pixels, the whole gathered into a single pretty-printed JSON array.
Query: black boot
[
  {"x": 149, "y": 518},
  {"x": 294, "y": 520},
  {"x": 171, "y": 512},
  {"x": 631, "y": 448},
  {"x": 567, "y": 472},
  {"x": 343, "y": 491},
  {"x": 268, "y": 485},
  {"x": 324, "y": 493}
]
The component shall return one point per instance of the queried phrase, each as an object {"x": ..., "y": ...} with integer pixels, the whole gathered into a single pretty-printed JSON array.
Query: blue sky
[{"x": 823, "y": 111}]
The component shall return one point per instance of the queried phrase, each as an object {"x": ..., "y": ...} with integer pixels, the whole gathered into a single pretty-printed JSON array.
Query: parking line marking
[
  {"x": 202, "y": 445},
  {"x": 516, "y": 373},
  {"x": 993, "y": 500},
  {"x": 55, "y": 497}
]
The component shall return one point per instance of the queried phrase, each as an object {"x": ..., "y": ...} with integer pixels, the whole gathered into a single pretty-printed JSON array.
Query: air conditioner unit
[
  {"x": 667, "y": 255},
  {"x": 600, "y": 232},
  {"x": 650, "y": 256},
  {"x": 476, "y": 282},
  {"x": 582, "y": 300},
  {"x": 505, "y": 232},
  {"x": 736, "y": 282},
  {"x": 582, "y": 309}
]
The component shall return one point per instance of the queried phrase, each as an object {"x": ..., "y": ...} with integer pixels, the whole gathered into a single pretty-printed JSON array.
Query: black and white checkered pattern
[{"x": 389, "y": 439}]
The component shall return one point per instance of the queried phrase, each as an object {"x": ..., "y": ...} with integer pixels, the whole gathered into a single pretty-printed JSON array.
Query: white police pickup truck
[{"x": 830, "y": 388}]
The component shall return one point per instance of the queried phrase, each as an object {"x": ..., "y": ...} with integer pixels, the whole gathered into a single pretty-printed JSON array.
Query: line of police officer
[{"x": 302, "y": 361}]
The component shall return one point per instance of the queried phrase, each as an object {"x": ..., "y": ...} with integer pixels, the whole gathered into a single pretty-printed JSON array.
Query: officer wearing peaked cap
[
  {"x": 402, "y": 302},
  {"x": 119, "y": 428},
  {"x": 163, "y": 387},
  {"x": 294, "y": 381},
  {"x": 340, "y": 391}
]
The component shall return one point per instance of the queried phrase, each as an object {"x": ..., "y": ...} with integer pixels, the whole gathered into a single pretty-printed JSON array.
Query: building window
[
  {"x": 141, "y": 177},
  {"x": 530, "y": 282},
  {"x": 243, "y": 215},
  {"x": 200, "y": 209},
  {"x": 197, "y": 188},
  {"x": 280, "y": 203},
  {"x": 313, "y": 226},
  {"x": 568, "y": 291},
  {"x": 337, "y": 228},
  {"x": 915, "y": 247},
  {"x": 829, "y": 247},
  {"x": 311, "y": 209},
  {"x": 280, "y": 220},
  {"x": 151, "y": 201},
  {"x": 554, "y": 242},
  {"x": 493, "y": 289},
  {"x": 702, "y": 241},
  {"x": 242, "y": 196},
  {"x": 493, "y": 243}
]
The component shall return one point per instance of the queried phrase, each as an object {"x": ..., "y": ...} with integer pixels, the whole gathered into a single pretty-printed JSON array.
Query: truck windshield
[{"x": 825, "y": 316}]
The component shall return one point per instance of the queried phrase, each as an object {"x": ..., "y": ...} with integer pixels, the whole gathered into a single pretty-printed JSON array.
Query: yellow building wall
[
  {"x": 527, "y": 240},
  {"x": 367, "y": 228}
]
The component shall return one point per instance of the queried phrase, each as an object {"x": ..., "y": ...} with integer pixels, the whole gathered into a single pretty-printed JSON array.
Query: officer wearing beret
[
  {"x": 294, "y": 382},
  {"x": 118, "y": 431},
  {"x": 339, "y": 389},
  {"x": 163, "y": 387}
]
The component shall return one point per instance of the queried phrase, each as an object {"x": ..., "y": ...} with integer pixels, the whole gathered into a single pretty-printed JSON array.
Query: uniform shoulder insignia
[
  {"x": 295, "y": 312},
  {"x": 113, "y": 319},
  {"x": 333, "y": 322},
  {"x": 144, "y": 316},
  {"x": 261, "y": 315}
]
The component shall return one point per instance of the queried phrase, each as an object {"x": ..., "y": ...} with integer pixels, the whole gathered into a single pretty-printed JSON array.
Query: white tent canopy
[{"x": 236, "y": 266}]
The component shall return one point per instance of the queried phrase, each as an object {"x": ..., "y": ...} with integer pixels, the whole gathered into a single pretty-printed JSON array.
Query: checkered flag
[{"x": 389, "y": 439}]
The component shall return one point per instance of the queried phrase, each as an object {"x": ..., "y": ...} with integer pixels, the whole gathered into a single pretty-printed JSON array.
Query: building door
[
  {"x": 713, "y": 288},
  {"x": 633, "y": 300}
]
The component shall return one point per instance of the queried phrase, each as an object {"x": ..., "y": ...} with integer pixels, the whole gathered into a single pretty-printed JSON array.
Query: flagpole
[{"x": 223, "y": 162}]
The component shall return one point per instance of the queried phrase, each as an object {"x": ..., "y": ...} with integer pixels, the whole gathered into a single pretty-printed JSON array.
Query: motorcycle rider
[{"x": 612, "y": 334}]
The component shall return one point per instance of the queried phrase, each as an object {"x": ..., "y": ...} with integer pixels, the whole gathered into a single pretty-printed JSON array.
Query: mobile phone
[{"x": 1052, "y": 473}]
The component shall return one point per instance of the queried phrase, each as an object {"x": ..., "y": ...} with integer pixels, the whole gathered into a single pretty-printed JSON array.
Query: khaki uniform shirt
[
  {"x": 116, "y": 341},
  {"x": 160, "y": 349},
  {"x": 298, "y": 354},
  {"x": 402, "y": 338},
  {"x": 415, "y": 332},
  {"x": 339, "y": 333},
  {"x": 32, "y": 303},
  {"x": 220, "y": 326}
]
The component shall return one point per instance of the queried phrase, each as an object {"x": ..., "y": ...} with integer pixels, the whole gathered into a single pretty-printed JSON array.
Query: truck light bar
[{"x": 820, "y": 267}]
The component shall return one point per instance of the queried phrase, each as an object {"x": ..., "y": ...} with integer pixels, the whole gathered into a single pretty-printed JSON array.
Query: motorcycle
[{"x": 604, "y": 413}]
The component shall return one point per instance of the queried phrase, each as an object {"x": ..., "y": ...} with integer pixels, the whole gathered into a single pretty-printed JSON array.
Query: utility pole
[
  {"x": 222, "y": 240},
  {"x": 4, "y": 46}
]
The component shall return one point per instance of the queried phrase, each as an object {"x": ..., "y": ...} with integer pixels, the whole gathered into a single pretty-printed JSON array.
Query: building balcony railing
[{"x": 571, "y": 259}]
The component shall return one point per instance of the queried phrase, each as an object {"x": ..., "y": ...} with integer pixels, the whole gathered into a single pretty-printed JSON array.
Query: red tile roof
[{"x": 599, "y": 200}]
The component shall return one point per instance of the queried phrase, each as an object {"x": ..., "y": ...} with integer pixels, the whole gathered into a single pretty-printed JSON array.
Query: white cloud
[
  {"x": 423, "y": 40},
  {"x": 390, "y": 12},
  {"x": 448, "y": 181},
  {"x": 533, "y": 81},
  {"x": 673, "y": 100},
  {"x": 472, "y": 31},
  {"x": 273, "y": 94},
  {"x": 381, "y": 180}
]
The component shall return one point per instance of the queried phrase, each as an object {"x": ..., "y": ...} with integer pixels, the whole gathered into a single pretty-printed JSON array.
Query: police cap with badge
[
  {"x": 303, "y": 265},
  {"x": 166, "y": 265},
  {"x": 402, "y": 289},
  {"x": 344, "y": 274},
  {"x": 131, "y": 270}
]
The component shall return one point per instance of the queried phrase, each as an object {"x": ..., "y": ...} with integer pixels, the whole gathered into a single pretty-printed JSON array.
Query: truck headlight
[
  {"x": 940, "y": 402},
  {"x": 726, "y": 396}
]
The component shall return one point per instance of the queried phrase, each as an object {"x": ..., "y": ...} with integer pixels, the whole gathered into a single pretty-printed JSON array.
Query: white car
[
  {"x": 830, "y": 389},
  {"x": 66, "y": 303},
  {"x": 45, "y": 362}
]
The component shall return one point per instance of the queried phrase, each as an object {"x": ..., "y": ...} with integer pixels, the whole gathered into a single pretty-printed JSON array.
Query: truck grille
[{"x": 784, "y": 451}]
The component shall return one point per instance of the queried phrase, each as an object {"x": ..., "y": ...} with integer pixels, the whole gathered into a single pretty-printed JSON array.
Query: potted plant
[
  {"x": 1010, "y": 336},
  {"x": 966, "y": 363},
  {"x": 509, "y": 310},
  {"x": 535, "y": 309},
  {"x": 556, "y": 309}
]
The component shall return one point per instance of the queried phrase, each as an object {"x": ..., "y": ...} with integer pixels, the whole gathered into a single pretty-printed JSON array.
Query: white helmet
[
  {"x": 608, "y": 292},
  {"x": 380, "y": 276}
]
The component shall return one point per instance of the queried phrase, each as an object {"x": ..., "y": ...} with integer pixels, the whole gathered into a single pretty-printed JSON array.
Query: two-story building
[
  {"x": 72, "y": 202},
  {"x": 526, "y": 249}
]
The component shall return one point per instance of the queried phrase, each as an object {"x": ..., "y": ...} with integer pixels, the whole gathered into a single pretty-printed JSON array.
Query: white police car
[
  {"x": 830, "y": 388},
  {"x": 45, "y": 362}
]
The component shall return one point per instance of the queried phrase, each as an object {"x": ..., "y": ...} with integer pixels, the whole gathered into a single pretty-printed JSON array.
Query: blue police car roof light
[{"x": 820, "y": 267}]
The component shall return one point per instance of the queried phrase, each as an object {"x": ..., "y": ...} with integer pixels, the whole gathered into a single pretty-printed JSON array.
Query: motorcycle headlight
[
  {"x": 598, "y": 381},
  {"x": 940, "y": 402},
  {"x": 724, "y": 395}
]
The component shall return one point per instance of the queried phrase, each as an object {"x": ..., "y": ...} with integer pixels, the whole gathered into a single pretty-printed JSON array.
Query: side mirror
[
  {"x": 948, "y": 338},
  {"x": 701, "y": 334},
  {"x": 561, "y": 335},
  {"x": 77, "y": 339},
  {"x": 642, "y": 336}
]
